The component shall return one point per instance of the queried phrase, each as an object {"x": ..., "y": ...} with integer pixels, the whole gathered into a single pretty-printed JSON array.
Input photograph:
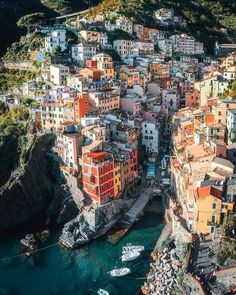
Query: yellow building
[
  {"x": 160, "y": 70},
  {"x": 117, "y": 178},
  {"x": 105, "y": 64}
]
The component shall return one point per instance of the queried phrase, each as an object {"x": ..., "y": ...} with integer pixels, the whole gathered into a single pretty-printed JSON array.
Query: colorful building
[{"x": 98, "y": 176}]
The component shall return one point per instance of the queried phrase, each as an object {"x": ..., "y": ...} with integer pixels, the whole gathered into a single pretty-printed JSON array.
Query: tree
[
  {"x": 118, "y": 34},
  {"x": 31, "y": 21}
]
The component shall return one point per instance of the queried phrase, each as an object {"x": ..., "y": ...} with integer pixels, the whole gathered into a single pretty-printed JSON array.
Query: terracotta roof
[{"x": 203, "y": 192}]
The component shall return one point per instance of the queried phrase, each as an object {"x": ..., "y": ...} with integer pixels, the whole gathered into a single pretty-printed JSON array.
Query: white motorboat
[
  {"x": 120, "y": 272},
  {"x": 102, "y": 292},
  {"x": 134, "y": 248},
  {"x": 131, "y": 255}
]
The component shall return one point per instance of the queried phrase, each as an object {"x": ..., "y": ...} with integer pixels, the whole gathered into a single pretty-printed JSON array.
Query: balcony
[{"x": 210, "y": 223}]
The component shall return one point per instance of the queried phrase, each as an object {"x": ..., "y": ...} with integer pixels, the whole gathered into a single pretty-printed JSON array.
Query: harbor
[
  {"x": 85, "y": 268},
  {"x": 134, "y": 214}
]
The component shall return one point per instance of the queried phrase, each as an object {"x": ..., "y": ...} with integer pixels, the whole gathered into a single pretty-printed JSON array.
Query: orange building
[
  {"x": 160, "y": 70},
  {"x": 98, "y": 176},
  {"x": 91, "y": 73},
  {"x": 210, "y": 209},
  {"x": 105, "y": 64},
  {"x": 192, "y": 99},
  {"x": 129, "y": 74}
]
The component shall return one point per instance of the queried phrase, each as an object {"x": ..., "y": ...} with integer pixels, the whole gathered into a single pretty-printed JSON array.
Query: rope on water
[{"x": 31, "y": 252}]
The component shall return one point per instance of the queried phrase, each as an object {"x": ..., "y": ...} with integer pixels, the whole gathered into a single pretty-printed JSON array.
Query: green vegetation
[
  {"x": 208, "y": 20},
  {"x": 118, "y": 34},
  {"x": 31, "y": 21},
  {"x": 231, "y": 91},
  {"x": 14, "y": 78},
  {"x": 30, "y": 102},
  {"x": 114, "y": 54},
  {"x": 14, "y": 127},
  {"x": 13, "y": 10},
  {"x": 18, "y": 51}
]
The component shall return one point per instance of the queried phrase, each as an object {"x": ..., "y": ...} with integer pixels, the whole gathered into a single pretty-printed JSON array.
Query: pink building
[{"x": 131, "y": 103}]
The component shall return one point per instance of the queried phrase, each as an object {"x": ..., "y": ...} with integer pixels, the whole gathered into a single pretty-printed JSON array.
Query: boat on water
[
  {"x": 120, "y": 272},
  {"x": 135, "y": 248},
  {"x": 102, "y": 292},
  {"x": 128, "y": 256}
]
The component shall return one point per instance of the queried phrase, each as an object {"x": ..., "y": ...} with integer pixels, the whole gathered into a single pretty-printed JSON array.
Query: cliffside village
[{"x": 107, "y": 115}]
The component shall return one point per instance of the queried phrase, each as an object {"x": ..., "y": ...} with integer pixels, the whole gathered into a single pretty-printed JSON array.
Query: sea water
[{"x": 56, "y": 271}]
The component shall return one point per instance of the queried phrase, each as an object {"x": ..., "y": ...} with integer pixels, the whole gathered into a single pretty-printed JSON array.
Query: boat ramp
[{"x": 131, "y": 217}]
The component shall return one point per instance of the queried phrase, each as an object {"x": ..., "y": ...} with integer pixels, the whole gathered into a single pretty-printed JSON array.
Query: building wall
[
  {"x": 205, "y": 212},
  {"x": 98, "y": 179},
  {"x": 117, "y": 178}
]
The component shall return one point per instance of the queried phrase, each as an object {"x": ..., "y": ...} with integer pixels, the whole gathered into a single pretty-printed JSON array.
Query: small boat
[
  {"x": 128, "y": 256},
  {"x": 120, "y": 272},
  {"x": 135, "y": 248},
  {"x": 102, "y": 292}
]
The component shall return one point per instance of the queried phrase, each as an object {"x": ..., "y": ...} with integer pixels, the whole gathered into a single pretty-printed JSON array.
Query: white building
[
  {"x": 58, "y": 74},
  {"x": 110, "y": 26},
  {"x": 186, "y": 44},
  {"x": 57, "y": 39},
  {"x": 124, "y": 47},
  {"x": 150, "y": 136},
  {"x": 143, "y": 47},
  {"x": 166, "y": 46},
  {"x": 231, "y": 126},
  {"x": 82, "y": 52},
  {"x": 230, "y": 73},
  {"x": 124, "y": 24},
  {"x": 164, "y": 15},
  {"x": 71, "y": 149},
  {"x": 170, "y": 100},
  {"x": 76, "y": 82}
]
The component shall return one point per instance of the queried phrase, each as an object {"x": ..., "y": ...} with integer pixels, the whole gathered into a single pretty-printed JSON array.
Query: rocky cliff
[
  {"x": 38, "y": 187},
  {"x": 29, "y": 190}
]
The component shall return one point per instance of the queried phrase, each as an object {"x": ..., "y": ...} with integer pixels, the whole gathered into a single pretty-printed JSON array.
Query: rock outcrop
[{"x": 30, "y": 189}]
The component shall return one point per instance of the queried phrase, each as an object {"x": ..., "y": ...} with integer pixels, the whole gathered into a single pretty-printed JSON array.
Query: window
[
  {"x": 213, "y": 219},
  {"x": 213, "y": 205}
]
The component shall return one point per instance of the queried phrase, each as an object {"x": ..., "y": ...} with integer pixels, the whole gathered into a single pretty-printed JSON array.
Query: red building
[
  {"x": 91, "y": 63},
  {"x": 98, "y": 176},
  {"x": 82, "y": 106}
]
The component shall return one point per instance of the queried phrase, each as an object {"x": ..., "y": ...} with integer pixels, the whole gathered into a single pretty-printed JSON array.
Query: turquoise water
[{"x": 80, "y": 272}]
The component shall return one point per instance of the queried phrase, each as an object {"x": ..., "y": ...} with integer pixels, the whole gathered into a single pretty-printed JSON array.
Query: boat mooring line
[{"x": 23, "y": 254}]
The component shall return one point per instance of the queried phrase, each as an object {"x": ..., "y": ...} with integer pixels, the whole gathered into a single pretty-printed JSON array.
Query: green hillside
[
  {"x": 208, "y": 20},
  {"x": 12, "y": 10}
]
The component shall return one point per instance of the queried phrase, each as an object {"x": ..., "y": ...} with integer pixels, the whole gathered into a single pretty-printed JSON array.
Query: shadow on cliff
[{"x": 32, "y": 189}]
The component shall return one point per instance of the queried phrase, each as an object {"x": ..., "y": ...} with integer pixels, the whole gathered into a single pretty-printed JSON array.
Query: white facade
[
  {"x": 231, "y": 126},
  {"x": 230, "y": 74},
  {"x": 166, "y": 46},
  {"x": 164, "y": 15},
  {"x": 76, "y": 82},
  {"x": 124, "y": 24},
  {"x": 110, "y": 26},
  {"x": 57, "y": 39},
  {"x": 144, "y": 47},
  {"x": 170, "y": 101},
  {"x": 150, "y": 136},
  {"x": 103, "y": 39},
  {"x": 124, "y": 47},
  {"x": 82, "y": 52},
  {"x": 186, "y": 44},
  {"x": 58, "y": 74},
  {"x": 70, "y": 151}
]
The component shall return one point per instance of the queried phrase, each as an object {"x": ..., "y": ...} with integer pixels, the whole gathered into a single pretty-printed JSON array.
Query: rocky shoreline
[
  {"x": 92, "y": 223},
  {"x": 164, "y": 274}
]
